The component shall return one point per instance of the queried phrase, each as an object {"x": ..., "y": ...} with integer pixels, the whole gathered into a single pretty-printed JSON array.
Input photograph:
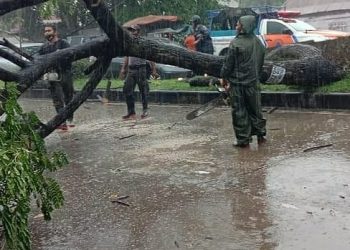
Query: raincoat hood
[{"x": 248, "y": 24}]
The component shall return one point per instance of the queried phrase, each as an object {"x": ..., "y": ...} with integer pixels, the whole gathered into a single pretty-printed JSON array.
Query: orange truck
[{"x": 274, "y": 28}]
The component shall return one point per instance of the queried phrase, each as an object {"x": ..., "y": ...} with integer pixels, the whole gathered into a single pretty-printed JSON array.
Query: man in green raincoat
[{"x": 240, "y": 73}]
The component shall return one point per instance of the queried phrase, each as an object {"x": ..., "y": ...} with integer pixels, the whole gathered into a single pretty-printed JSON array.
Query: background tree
[{"x": 75, "y": 17}]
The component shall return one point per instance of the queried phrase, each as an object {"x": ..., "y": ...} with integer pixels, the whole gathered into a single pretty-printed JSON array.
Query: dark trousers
[
  {"x": 247, "y": 115},
  {"x": 62, "y": 92},
  {"x": 136, "y": 77}
]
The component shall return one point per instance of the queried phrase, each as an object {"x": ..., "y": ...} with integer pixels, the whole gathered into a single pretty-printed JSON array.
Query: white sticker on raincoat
[{"x": 277, "y": 74}]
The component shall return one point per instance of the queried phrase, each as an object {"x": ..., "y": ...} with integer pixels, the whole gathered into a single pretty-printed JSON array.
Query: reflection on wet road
[{"x": 188, "y": 188}]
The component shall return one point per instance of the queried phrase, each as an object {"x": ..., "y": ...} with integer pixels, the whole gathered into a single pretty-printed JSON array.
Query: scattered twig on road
[
  {"x": 122, "y": 203},
  {"x": 125, "y": 137},
  {"x": 274, "y": 129},
  {"x": 270, "y": 111},
  {"x": 176, "y": 123},
  {"x": 119, "y": 200},
  {"x": 123, "y": 197},
  {"x": 317, "y": 147},
  {"x": 102, "y": 99},
  {"x": 170, "y": 127}
]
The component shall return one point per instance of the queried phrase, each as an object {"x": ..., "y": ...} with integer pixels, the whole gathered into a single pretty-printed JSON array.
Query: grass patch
[
  {"x": 278, "y": 88},
  {"x": 168, "y": 84},
  {"x": 342, "y": 86}
]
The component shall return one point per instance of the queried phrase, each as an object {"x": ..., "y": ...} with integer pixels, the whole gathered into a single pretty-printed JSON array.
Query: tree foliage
[
  {"x": 23, "y": 163},
  {"x": 74, "y": 15}
]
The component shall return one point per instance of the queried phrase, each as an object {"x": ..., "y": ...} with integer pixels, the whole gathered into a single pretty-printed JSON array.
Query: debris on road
[
  {"x": 125, "y": 137},
  {"x": 317, "y": 147},
  {"x": 119, "y": 200}
]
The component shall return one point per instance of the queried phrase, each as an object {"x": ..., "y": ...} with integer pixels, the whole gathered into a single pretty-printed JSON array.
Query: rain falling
[{"x": 174, "y": 124}]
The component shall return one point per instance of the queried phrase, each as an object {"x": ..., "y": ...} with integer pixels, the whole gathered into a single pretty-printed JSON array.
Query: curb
[{"x": 270, "y": 99}]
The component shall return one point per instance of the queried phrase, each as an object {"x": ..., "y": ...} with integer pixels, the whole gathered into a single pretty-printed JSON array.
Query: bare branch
[
  {"x": 8, "y": 76},
  {"x": 13, "y": 58},
  {"x": 13, "y": 47}
]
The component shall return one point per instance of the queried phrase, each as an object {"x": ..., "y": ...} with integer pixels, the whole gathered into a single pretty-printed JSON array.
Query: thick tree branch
[
  {"x": 8, "y": 76},
  {"x": 151, "y": 49},
  {"x": 41, "y": 63},
  {"x": 13, "y": 47},
  {"x": 13, "y": 58},
  {"x": 104, "y": 18}
]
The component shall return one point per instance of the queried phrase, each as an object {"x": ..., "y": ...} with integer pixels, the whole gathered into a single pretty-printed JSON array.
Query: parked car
[
  {"x": 30, "y": 48},
  {"x": 274, "y": 28},
  {"x": 165, "y": 71}
]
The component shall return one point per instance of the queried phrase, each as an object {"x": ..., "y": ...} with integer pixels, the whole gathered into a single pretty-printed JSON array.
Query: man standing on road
[
  {"x": 240, "y": 73},
  {"x": 59, "y": 78},
  {"x": 203, "y": 41},
  {"x": 135, "y": 70}
]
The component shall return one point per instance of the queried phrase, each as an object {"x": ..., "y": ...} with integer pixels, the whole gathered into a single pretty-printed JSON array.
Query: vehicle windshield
[{"x": 301, "y": 26}]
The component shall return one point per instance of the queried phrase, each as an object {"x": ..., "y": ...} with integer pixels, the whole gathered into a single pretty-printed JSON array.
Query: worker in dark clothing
[
  {"x": 203, "y": 40},
  {"x": 135, "y": 70},
  {"x": 240, "y": 73},
  {"x": 60, "y": 77}
]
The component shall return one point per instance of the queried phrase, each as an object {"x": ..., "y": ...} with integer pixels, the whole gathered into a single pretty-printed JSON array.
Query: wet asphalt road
[{"x": 189, "y": 188}]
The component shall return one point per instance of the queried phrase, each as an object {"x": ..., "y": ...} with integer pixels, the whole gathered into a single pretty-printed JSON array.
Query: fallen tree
[
  {"x": 119, "y": 43},
  {"x": 300, "y": 64}
]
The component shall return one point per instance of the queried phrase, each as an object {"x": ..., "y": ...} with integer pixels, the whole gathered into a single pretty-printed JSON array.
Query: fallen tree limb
[
  {"x": 317, "y": 147},
  {"x": 13, "y": 47}
]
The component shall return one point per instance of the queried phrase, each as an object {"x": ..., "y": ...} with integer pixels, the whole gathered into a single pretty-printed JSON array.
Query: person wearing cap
[
  {"x": 240, "y": 73},
  {"x": 134, "y": 71},
  {"x": 203, "y": 41}
]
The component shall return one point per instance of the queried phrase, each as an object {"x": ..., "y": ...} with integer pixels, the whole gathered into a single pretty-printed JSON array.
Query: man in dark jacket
[
  {"x": 240, "y": 72},
  {"x": 135, "y": 71},
  {"x": 203, "y": 41},
  {"x": 59, "y": 78}
]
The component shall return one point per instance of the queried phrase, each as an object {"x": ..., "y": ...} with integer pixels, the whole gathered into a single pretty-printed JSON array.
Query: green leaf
[{"x": 24, "y": 161}]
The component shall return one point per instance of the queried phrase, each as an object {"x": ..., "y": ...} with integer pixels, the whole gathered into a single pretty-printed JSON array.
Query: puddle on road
[
  {"x": 309, "y": 198},
  {"x": 189, "y": 189}
]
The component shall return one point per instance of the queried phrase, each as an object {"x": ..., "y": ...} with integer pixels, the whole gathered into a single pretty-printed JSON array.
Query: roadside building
[{"x": 323, "y": 14}]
